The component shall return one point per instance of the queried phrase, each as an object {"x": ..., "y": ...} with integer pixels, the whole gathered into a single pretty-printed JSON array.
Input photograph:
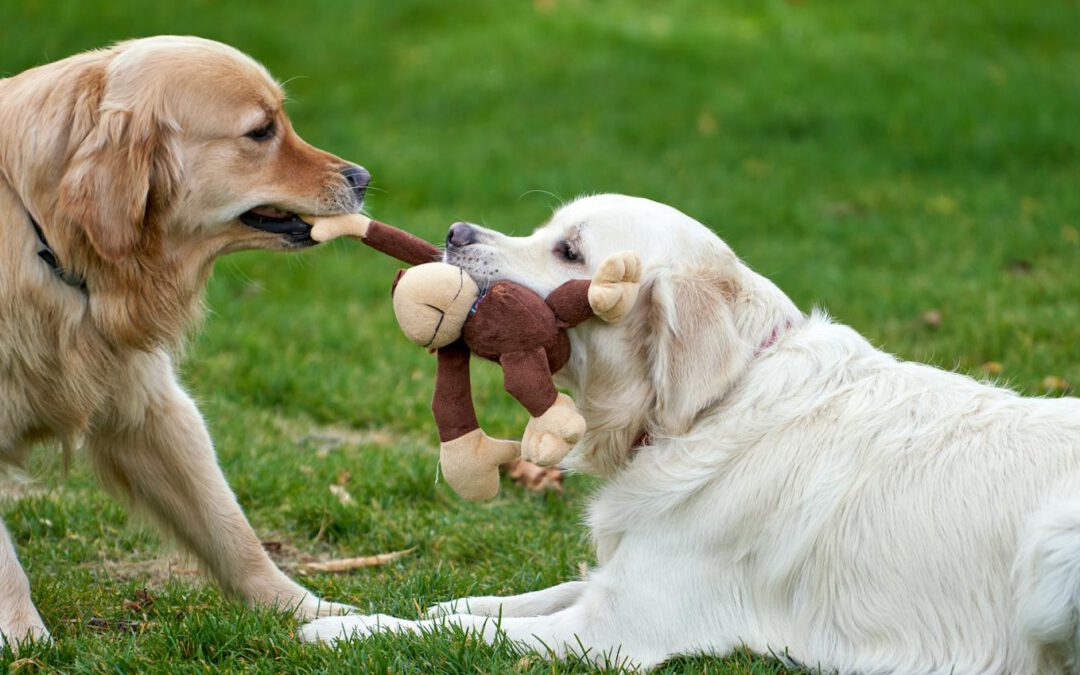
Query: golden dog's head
[
  {"x": 153, "y": 157},
  {"x": 187, "y": 139}
]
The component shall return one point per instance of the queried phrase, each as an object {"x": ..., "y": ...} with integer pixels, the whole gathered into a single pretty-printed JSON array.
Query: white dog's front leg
[
  {"x": 558, "y": 634},
  {"x": 536, "y": 603}
]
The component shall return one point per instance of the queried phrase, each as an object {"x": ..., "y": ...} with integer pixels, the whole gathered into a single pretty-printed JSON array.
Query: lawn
[{"x": 911, "y": 167}]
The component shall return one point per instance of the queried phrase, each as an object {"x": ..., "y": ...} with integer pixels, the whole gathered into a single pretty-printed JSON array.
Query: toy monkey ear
[{"x": 397, "y": 278}]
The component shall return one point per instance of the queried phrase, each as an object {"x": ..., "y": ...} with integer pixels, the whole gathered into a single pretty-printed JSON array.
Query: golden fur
[{"x": 136, "y": 160}]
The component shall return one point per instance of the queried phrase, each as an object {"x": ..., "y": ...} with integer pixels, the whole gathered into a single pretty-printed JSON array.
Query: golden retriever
[
  {"x": 124, "y": 173},
  {"x": 776, "y": 482}
]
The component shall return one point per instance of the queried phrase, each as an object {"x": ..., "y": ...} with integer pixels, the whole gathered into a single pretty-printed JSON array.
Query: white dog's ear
[
  {"x": 694, "y": 349},
  {"x": 124, "y": 167}
]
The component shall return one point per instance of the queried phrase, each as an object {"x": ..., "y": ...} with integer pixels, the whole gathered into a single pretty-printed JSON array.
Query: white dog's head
[{"x": 700, "y": 319}]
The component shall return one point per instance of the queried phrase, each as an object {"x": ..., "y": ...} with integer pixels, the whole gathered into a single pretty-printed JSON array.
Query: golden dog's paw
[
  {"x": 614, "y": 287},
  {"x": 24, "y": 633}
]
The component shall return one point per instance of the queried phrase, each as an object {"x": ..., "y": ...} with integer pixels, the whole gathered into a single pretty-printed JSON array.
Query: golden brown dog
[{"x": 124, "y": 172}]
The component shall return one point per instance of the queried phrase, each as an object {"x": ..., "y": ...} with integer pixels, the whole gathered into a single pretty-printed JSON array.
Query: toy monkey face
[{"x": 432, "y": 302}]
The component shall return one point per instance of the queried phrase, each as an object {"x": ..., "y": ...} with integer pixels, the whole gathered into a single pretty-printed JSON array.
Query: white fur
[{"x": 814, "y": 498}]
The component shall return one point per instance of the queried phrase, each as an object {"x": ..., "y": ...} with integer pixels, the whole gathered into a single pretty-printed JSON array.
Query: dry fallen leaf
[
  {"x": 534, "y": 477},
  {"x": 993, "y": 368},
  {"x": 348, "y": 564},
  {"x": 98, "y": 623},
  {"x": 706, "y": 123},
  {"x": 1020, "y": 267},
  {"x": 142, "y": 601},
  {"x": 1070, "y": 234},
  {"x": 29, "y": 662},
  {"x": 1055, "y": 383},
  {"x": 342, "y": 495}
]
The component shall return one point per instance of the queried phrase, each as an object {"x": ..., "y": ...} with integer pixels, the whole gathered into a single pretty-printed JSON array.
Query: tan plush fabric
[{"x": 471, "y": 463}]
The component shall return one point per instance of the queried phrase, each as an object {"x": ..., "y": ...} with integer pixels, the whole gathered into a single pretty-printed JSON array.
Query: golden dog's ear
[
  {"x": 694, "y": 348},
  {"x": 124, "y": 167}
]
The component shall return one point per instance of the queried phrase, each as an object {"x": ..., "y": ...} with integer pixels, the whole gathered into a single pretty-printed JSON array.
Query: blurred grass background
[{"x": 911, "y": 167}]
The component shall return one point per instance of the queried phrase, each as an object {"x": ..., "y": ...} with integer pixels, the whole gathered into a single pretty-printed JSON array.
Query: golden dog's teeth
[{"x": 325, "y": 228}]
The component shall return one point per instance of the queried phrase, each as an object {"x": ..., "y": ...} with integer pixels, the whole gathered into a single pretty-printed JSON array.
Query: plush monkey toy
[{"x": 440, "y": 307}]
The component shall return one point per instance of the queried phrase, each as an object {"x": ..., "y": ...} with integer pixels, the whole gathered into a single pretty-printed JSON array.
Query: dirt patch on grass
[
  {"x": 324, "y": 439},
  {"x": 13, "y": 487},
  {"x": 157, "y": 571}
]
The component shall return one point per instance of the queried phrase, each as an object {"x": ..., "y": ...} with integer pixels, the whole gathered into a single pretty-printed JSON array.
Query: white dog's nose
[{"x": 461, "y": 234}]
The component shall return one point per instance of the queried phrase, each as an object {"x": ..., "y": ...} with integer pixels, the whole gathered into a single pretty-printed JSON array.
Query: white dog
[{"x": 775, "y": 481}]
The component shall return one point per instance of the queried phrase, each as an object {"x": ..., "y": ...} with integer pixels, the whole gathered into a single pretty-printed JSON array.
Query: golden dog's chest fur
[{"x": 140, "y": 162}]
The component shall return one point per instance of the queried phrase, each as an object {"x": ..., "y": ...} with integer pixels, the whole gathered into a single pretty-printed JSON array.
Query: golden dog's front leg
[
  {"x": 155, "y": 450},
  {"x": 19, "y": 619}
]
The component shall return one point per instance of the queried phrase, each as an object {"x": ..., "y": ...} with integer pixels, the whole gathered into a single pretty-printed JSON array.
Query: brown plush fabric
[
  {"x": 525, "y": 334},
  {"x": 527, "y": 377},
  {"x": 570, "y": 303},
  {"x": 452, "y": 404},
  {"x": 400, "y": 244},
  {"x": 509, "y": 318}
]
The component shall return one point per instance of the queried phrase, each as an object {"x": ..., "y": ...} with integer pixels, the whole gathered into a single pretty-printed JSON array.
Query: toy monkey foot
[
  {"x": 551, "y": 436},
  {"x": 470, "y": 463},
  {"x": 614, "y": 287},
  {"x": 325, "y": 228}
]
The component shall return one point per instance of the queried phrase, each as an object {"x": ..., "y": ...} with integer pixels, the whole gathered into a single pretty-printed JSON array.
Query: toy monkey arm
[
  {"x": 379, "y": 236},
  {"x": 400, "y": 244},
  {"x": 452, "y": 404},
  {"x": 570, "y": 302},
  {"x": 527, "y": 377}
]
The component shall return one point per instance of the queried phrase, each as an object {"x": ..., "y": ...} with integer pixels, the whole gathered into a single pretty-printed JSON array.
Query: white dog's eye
[{"x": 568, "y": 251}]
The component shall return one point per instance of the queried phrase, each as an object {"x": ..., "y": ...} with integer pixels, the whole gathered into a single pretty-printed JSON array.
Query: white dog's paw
[
  {"x": 447, "y": 608},
  {"x": 332, "y": 629},
  {"x": 614, "y": 287}
]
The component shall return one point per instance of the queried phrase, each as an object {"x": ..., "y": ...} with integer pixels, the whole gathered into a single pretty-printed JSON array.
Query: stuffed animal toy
[{"x": 440, "y": 307}]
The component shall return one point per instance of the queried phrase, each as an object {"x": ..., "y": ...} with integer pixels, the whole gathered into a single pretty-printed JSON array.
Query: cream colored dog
[
  {"x": 124, "y": 173},
  {"x": 775, "y": 481}
]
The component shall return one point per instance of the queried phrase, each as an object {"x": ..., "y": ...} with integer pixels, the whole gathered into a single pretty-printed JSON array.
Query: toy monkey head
[{"x": 432, "y": 302}]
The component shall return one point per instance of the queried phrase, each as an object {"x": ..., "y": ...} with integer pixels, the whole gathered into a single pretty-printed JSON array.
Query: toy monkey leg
[
  {"x": 527, "y": 377},
  {"x": 452, "y": 404},
  {"x": 469, "y": 459}
]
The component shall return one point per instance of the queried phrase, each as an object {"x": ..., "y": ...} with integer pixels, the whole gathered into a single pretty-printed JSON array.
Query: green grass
[{"x": 877, "y": 159}]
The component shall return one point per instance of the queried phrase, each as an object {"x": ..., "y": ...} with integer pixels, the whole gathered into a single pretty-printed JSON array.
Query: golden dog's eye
[
  {"x": 568, "y": 251},
  {"x": 263, "y": 133}
]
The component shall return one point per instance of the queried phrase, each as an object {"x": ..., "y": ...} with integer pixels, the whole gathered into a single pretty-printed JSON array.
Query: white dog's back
[{"x": 863, "y": 513}]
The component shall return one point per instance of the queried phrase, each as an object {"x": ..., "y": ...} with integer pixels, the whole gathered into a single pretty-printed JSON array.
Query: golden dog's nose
[{"x": 358, "y": 178}]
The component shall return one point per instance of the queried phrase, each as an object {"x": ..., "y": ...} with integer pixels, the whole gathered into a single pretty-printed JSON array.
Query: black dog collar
[{"x": 49, "y": 256}]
